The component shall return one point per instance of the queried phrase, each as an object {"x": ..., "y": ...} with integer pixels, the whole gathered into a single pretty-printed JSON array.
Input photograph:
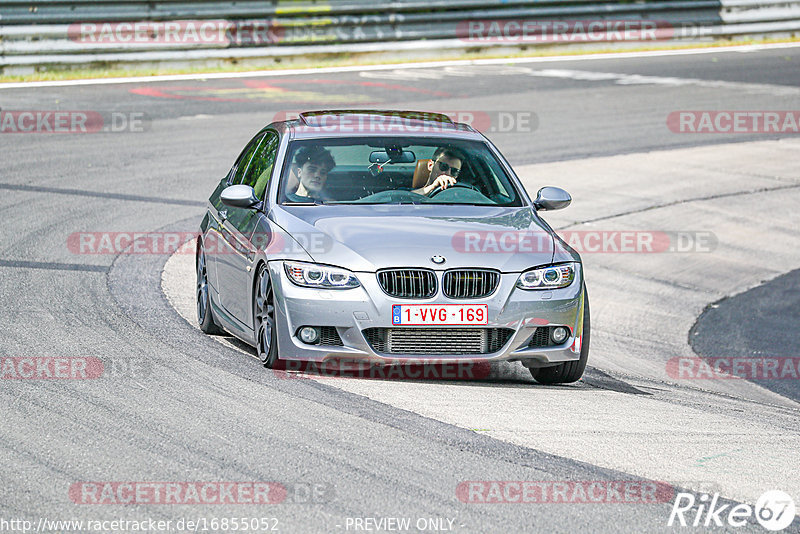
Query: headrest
[
  {"x": 421, "y": 174},
  {"x": 292, "y": 182}
]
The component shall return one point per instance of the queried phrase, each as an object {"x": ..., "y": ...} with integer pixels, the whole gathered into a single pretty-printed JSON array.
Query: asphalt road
[
  {"x": 761, "y": 322},
  {"x": 183, "y": 407}
]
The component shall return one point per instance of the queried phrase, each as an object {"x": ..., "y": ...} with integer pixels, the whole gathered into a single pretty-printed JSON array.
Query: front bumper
[{"x": 351, "y": 311}]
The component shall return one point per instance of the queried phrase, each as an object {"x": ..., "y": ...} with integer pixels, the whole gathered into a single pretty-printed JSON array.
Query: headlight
[
  {"x": 321, "y": 276},
  {"x": 553, "y": 277}
]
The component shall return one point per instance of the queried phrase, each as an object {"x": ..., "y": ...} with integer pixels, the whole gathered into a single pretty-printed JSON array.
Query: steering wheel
[{"x": 438, "y": 189}]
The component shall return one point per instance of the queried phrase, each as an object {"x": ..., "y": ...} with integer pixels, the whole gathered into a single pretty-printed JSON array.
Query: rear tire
[
  {"x": 205, "y": 316},
  {"x": 568, "y": 372}
]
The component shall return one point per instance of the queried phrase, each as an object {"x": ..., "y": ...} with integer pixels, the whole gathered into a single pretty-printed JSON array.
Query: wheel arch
[
  {"x": 259, "y": 263},
  {"x": 198, "y": 247}
]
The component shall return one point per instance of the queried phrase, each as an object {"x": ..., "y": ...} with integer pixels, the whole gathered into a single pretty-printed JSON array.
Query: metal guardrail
[{"x": 43, "y": 32}]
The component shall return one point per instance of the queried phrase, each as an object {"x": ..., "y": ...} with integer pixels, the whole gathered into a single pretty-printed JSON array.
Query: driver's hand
[{"x": 444, "y": 181}]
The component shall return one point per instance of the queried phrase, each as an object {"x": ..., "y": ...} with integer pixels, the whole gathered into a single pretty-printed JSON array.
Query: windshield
[{"x": 395, "y": 171}]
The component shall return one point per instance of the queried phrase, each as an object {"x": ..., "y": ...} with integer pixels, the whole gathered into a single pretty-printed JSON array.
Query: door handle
[{"x": 223, "y": 215}]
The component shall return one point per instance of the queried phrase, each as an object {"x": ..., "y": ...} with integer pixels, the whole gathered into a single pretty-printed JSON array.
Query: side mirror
[
  {"x": 239, "y": 196},
  {"x": 552, "y": 198}
]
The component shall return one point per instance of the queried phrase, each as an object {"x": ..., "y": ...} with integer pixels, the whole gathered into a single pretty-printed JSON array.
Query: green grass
[{"x": 54, "y": 73}]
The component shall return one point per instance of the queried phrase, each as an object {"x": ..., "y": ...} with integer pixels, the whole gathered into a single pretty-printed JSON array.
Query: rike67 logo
[{"x": 774, "y": 510}]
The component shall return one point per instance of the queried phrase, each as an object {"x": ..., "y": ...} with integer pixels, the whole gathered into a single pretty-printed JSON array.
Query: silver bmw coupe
[{"x": 389, "y": 238}]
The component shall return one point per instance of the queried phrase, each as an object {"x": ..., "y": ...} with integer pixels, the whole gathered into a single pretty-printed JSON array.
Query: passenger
[
  {"x": 444, "y": 168},
  {"x": 311, "y": 166}
]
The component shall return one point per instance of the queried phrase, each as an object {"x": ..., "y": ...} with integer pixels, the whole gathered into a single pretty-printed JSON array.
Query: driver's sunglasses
[{"x": 452, "y": 171}]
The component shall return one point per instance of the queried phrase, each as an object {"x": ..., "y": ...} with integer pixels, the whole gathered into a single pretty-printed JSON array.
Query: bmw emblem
[{"x": 438, "y": 260}]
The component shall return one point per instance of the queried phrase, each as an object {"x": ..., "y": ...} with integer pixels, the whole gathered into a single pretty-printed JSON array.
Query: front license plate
[{"x": 440, "y": 314}]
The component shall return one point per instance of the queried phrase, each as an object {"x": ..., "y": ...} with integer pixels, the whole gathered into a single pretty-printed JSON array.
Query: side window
[
  {"x": 260, "y": 169},
  {"x": 244, "y": 159}
]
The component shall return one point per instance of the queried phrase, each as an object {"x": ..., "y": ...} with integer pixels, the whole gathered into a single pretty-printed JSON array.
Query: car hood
[{"x": 368, "y": 238}]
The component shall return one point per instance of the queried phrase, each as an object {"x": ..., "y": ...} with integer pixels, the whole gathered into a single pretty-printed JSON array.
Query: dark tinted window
[
  {"x": 392, "y": 170},
  {"x": 259, "y": 171},
  {"x": 244, "y": 159}
]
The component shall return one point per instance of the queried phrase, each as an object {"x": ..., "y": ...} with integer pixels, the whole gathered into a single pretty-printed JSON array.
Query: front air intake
[{"x": 450, "y": 341}]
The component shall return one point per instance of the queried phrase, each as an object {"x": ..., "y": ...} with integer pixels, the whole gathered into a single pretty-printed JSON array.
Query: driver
[
  {"x": 311, "y": 166},
  {"x": 444, "y": 168}
]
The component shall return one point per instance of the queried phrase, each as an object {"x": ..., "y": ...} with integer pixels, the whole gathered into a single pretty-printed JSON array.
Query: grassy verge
[{"x": 57, "y": 74}]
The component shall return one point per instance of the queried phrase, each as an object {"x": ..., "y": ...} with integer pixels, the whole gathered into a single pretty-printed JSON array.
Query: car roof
[{"x": 367, "y": 123}]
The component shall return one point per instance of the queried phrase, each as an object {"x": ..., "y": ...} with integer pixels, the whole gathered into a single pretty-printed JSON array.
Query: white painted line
[
  {"x": 668, "y": 81},
  {"x": 417, "y": 74},
  {"x": 356, "y": 68}
]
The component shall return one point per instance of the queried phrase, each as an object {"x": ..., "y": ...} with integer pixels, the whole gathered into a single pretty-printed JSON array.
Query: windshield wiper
[{"x": 312, "y": 203}]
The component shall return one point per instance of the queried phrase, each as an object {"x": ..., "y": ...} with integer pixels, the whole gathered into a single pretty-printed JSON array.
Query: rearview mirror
[
  {"x": 239, "y": 196},
  {"x": 552, "y": 198},
  {"x": 392, "y": 156}
]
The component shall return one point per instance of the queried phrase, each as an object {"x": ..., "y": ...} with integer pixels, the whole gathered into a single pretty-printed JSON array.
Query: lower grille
[
  {"x": 452, "y": 341},
  {"x": 541, "y": 338},
  {"x": 329, "y": 336}
]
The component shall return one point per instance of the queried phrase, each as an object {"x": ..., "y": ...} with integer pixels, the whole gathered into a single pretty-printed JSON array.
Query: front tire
[
  {"x": 264, "y": 319},
  {"x": 204, "y": 315},
  {"x": 568, "y": 372}
]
